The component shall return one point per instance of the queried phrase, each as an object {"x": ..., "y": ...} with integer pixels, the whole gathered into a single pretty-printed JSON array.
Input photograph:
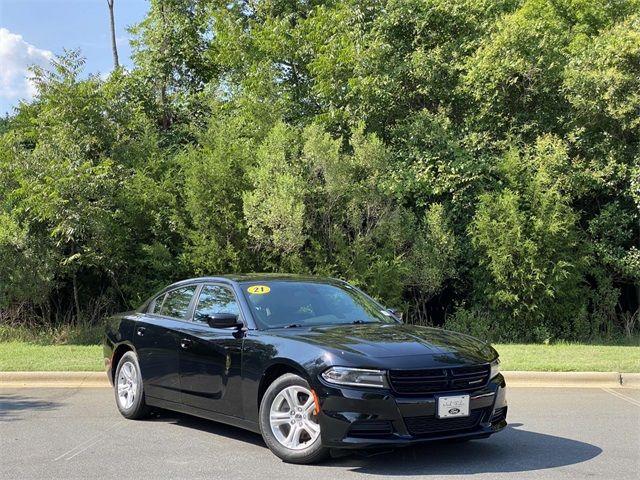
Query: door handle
[
  {"x": 185, "y": 344},
  {"x": 140, "y": 331}
]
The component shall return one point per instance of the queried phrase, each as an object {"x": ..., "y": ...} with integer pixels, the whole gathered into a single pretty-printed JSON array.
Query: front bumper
[{"x": 359, "y": 418}]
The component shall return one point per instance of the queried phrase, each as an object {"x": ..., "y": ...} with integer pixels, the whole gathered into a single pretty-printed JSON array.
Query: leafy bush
[{"x": 473, "y": 322}]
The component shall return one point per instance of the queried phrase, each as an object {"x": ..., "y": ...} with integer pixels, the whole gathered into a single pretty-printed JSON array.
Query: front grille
[
  {"x": 436, "y": 380},
  {"x": 434, "y": 425},
  {"x": 370, "y": 428}
]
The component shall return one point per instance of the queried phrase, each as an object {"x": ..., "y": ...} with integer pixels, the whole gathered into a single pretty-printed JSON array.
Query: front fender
[{"x": 262, "y": 352}]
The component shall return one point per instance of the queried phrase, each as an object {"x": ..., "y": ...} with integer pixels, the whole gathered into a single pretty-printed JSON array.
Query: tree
[
  {"x": 73, "y": 164},
  {"x": 532, "y": 258},
  {"x": 170, "y": 49}
]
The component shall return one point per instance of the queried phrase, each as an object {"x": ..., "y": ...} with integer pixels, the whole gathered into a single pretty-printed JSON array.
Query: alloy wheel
[
  {"x": 292, "y": 420},
  {"x": 127, "y": 385}
]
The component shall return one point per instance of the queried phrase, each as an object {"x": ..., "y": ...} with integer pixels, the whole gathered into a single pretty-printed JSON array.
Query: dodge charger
[{"x": 312, "y": 364}]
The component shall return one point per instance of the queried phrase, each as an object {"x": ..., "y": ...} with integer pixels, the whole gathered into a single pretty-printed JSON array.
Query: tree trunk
[
  {"x": 76, "y": 299},
  {"x": 638, "y": 284},
  {"x": 165, "y": 77},
  {"x": 114, "y": 47}
]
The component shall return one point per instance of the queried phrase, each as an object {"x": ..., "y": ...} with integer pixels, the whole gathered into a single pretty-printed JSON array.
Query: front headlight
[
  {"x": 356, "y": 377},
  {"x": 495, "y": 368}
]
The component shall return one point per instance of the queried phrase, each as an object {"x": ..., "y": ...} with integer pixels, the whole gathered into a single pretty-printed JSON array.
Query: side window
[
  {"x": 156, "y": 305},
  {"x": 215, "y": 299},
  {"x": 176, "y": 303}
]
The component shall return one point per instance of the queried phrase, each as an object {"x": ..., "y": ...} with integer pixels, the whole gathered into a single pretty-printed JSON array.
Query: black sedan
[{"x": 310, "y": 363}]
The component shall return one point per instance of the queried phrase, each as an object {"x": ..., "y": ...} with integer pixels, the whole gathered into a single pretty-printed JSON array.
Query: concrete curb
[
  {"x": 514, "y": 379},
  {"x": 569, "y": 380},
  {"x": 630, "y": 380},
  {"x": 53, "y": 380}
]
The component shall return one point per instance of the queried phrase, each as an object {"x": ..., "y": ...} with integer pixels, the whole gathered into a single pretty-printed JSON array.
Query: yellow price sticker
[{"x": 258, "y": 289}]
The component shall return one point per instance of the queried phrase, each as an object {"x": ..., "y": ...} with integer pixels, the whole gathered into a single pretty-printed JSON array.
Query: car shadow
[
  {"x": 209, "y": 426},
  {"x": 513, "y": 450},
  {"x": 12, "y": 406}
]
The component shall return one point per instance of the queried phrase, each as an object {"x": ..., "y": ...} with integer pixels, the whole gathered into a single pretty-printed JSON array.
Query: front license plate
[{"x": 450, "y": 407}]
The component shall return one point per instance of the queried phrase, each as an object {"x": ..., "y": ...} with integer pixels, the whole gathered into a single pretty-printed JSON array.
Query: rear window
[
  {"x": 156, "y": 305},
  {"x": 176, "y": 302}
]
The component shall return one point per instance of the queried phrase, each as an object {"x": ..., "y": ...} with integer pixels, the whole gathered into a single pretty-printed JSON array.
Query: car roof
[{"x": 258, "y": 277}]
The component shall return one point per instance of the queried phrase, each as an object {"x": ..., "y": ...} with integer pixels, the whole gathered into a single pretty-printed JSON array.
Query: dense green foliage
[{"x": 474, "y": 163}]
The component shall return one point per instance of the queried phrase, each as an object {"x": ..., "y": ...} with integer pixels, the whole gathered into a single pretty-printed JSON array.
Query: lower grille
[
  {"x": 370, "y": 428},
  {"x": 434, "y": 425}
]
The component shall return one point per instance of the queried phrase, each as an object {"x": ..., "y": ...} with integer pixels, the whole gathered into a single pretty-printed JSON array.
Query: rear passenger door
[
  {"x": 210, "y": 357},
  {"x": 156, "y": 338}
]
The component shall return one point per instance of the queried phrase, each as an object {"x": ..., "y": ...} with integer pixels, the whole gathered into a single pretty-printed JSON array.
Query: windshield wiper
[
  {"x": 293, "y": 325},
  {"x": 359, "y": 322}
]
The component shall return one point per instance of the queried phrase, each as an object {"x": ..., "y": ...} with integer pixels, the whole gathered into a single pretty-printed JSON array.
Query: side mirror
[
  {"x": 395, "y": 313},
  {"x": 224, "y": 320}
]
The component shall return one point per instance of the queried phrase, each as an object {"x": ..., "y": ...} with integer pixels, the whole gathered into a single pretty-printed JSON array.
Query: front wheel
[
  {"x": 129, "y": 388},
  {"x": 288, "y": 423}
]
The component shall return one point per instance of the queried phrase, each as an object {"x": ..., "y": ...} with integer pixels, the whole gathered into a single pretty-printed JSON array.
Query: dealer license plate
[{"x": 454, "y": 406}]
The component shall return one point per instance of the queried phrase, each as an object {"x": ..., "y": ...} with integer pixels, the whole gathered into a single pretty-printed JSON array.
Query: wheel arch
[
  {"x": 118, "y": 352},
  {"x": 275, "y": 370}
]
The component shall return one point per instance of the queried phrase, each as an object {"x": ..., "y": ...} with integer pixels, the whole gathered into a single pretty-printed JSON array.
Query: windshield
[{"x": 277, "y": 304}]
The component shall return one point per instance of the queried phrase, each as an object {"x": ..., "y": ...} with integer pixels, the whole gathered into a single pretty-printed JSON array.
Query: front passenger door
[{"x": 210, "y": 357}]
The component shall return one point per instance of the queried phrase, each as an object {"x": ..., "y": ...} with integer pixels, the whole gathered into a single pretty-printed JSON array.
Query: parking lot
[{"x": 78, "y": 433}]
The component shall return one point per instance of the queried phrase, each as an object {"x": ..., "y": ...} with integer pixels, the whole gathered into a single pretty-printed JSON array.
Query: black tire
[
  {"x": 137, "y": 408},
  {"x": 311, "y": 454}
]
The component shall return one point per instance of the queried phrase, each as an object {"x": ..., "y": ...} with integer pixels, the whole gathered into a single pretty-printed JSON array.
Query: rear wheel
[
  {"x": 129, "y": 389},
  {"x": 288, "y": 423}
]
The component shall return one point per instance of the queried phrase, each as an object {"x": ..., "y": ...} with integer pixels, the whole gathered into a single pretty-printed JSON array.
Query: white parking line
[
  {"x": 69, "y": 454},
  {"x": 631, "y": 400}
]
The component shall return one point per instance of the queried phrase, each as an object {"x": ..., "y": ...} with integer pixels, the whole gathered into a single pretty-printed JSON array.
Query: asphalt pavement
[{"x": 78, "y": 434}]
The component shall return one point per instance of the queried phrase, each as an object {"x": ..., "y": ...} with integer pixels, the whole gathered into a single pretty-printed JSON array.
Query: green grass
[
  {"x": 565, "y": 357},
  {"x": 18, "y": 356},
  {"x": 27, "y": 356},
  {"x": 59, "y": 335}
]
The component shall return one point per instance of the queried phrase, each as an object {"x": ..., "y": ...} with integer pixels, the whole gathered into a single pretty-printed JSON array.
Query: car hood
[{"x": 394, "y": 340}]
